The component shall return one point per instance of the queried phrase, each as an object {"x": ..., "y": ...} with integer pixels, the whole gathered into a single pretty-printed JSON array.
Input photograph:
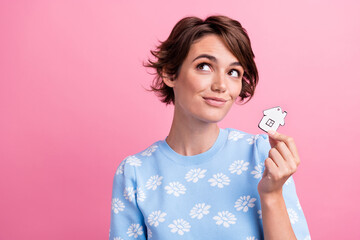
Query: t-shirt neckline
[{"x": 198, "y": 158}]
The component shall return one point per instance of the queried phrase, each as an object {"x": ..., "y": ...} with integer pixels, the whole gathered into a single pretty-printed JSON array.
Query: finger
[
  {"x": 289, "y": 159},
  {"x": 284, "y": 151},
  {"x": 289, "y": 141},
  {"x": 277, "y": 158},
  {"x": 270, "y": 167}
]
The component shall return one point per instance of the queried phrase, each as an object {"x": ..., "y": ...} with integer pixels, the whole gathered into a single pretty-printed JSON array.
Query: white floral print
[
  {"x": 199, "y": 210},
  {"x": 225, "y": 218},
  {"x": 120, "y": 169},
  {"x": 253, "y": 139},
  {"x": 238, "y": 166},
  {"x": 133, "y": 161},
  {"x": 148, "y": 152},
  {"x": 175, "y": 188},
  {"x": 135, "y": 230},
  {"x": 260, "y": 214},
  {"x": 298, "y": 204},
  {"x": 259, "y": 170},
  {"x": 141, "y": 196},
  {"x": 180, "y": 226},
  {"x": 129, "y": 193},
  {"x": 307, "y": 237},
  {"x": 155, "y": 217},
  {"x": 118, "y": 238},
  {"x": 293, "y": 215},
  {"x": 251, "y": 238},
  {"x": 288, "y": 181},
  {"x": 153, "y": 182},
  {"x": 149, "y": 233},
  {"x": 117, "y": 205},
  {"x": 195, "y": 174},
  {"x": 244, "y": 203},
  {"x": 235, "y": 135},
  {"x": 219, "y": 180}
]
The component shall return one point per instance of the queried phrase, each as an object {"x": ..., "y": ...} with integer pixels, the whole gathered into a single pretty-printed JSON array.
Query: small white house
[{"x": 272, "y": 118}]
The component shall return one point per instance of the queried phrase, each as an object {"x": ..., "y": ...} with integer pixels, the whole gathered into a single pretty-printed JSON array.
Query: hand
[{"x": 282, "y": 162}]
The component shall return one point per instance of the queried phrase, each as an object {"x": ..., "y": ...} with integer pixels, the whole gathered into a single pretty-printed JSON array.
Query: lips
[{"x": 214, "y": 101}]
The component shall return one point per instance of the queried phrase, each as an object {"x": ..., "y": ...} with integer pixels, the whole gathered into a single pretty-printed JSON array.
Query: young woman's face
[{"x": 209, "y": 80}]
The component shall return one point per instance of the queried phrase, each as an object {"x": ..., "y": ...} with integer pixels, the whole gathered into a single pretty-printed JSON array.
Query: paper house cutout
[{"x": 272, "y": 119}]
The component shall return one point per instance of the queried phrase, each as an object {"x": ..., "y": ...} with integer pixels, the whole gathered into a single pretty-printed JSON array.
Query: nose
[{"x": 219, "y": 83}]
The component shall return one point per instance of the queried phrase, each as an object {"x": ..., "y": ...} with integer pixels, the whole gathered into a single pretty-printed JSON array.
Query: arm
[
  {"x": 276, "y": 222},
  {"x": 278, "y": 200},
  {"x": 127, "y": 222}
]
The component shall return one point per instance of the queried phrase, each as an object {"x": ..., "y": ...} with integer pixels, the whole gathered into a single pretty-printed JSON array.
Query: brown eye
[
  {"x": 234, "y": 73},
  {"x": 204, "y": 67}
]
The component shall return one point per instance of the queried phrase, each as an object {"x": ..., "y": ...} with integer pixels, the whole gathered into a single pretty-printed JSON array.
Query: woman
[{"x": 203, "y": 182}]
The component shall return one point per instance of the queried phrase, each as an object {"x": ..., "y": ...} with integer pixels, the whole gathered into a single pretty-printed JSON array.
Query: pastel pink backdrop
[{"x": 73, "y": 105}]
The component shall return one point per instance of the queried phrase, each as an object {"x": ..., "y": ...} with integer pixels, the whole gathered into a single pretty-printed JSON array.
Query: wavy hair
[{"x": 170, "y": 54}]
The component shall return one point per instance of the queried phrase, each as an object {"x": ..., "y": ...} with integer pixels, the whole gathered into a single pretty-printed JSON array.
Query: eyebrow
[{"x": 214, "y": 59}]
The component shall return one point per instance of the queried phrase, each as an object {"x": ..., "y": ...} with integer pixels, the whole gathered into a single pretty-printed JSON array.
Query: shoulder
[
  {"x": 235, "y": 135},
  {"x": 131, "y": 163}
]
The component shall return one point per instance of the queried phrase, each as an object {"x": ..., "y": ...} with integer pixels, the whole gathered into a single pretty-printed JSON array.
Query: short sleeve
[
  {"x": 127, "y": 221},
  {"x": 295, "y": 212}
]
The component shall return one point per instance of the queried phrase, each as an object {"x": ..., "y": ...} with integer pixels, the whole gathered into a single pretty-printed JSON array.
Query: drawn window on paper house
[{"x": 272, "y": 119}]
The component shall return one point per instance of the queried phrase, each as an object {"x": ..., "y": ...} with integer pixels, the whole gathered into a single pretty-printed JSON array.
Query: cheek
[
  {"x": 235, "y": 89},
  {"x": 195, "y": 83}
]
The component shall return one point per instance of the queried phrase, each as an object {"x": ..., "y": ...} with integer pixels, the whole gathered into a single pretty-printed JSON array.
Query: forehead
[{"x": 211, "y": 44}]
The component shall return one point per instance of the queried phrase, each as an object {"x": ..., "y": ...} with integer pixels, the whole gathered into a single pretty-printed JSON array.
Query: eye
[
  {"x": 204, "y": 67},
  {"x": 234, "y": 73}
]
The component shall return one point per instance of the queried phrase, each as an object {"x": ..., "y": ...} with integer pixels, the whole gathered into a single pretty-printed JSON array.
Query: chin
[{"x": 213, "y": 118}]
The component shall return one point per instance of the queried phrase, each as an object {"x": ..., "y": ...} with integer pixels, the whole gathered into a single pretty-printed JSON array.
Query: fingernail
[{"x": 271, "y": 132}]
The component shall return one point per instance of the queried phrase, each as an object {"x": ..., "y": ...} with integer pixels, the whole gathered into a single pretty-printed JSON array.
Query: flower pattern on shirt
[
  {"x": 146, "y": 187},
  {"x": 195, "y": 174},
  {"x": 117, "y": 205},
  {"x": 259, "y": 170},
  {"x": 149, "y": 233},
  {"x": 180, "y": 226},
  {"x": 133, "y": 161},
  {"x": 252, "y": 139},
  {"x": 156, "y": 217},
  {"x": 120, "y": 169},
  {"x": 141, "y": 196},
  {"x": 149, "y": 151},
  {"x": 288, "y": 181},
  {"x": 175, "y": 188},
  {"x": 235, "y": 135},
  {"x": 251, "y": 238},
  {"x": 153, "y": 182},
  {"x": 244, "y": 203},
  {"x": 292, "y": 215},
  {"x": 298, "y": 205},
  {"x": 129, "y": 193},
  {"x": 199, "y": 210},
  {"x": 135, "y": 230},
  {"x": 225, "y": 218},
  {"x": 238, "y": 166},
  {"x": 219, "y": 180}
]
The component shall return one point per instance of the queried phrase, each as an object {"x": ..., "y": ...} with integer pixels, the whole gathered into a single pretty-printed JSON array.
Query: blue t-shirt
[{"x": 159, "y": 194}]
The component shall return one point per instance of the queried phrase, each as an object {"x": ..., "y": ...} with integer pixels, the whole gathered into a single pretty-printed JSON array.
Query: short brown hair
[{"x": 171, "y": 53}]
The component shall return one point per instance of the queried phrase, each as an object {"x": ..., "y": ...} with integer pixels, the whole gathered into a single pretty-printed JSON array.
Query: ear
[{"x": 169, "y": 80}]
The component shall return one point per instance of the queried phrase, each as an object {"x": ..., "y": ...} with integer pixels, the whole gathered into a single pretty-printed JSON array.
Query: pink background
[{"x": 72, "y": 104}]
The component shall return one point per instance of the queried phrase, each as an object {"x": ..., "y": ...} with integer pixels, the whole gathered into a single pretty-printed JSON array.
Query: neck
[{"x": 189, "y": 136}]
